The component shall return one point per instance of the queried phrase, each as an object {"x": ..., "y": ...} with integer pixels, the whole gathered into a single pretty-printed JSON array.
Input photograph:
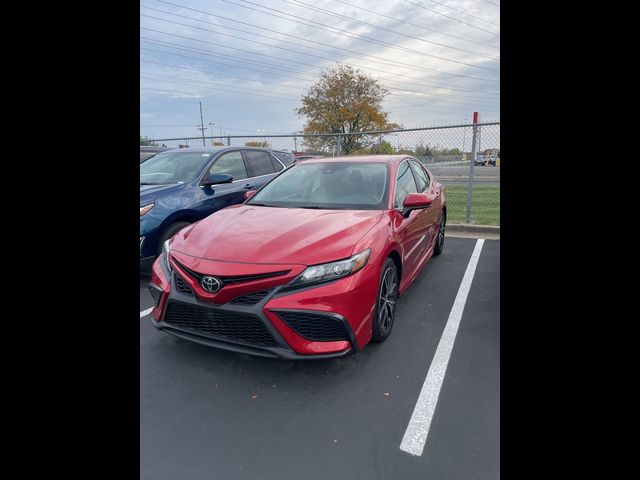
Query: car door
[
  {"x": 431, "y": 215},
  {"x": 410, "y": 230},
  {"x": 261, "y": 166},
  {"x": 225, "y": 194}
]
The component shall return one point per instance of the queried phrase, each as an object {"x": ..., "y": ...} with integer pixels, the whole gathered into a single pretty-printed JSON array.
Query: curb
[{"x": 455, "y": 229}]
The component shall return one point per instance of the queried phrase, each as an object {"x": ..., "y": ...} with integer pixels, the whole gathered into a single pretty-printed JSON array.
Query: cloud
[{"x": 249, "y": 62}]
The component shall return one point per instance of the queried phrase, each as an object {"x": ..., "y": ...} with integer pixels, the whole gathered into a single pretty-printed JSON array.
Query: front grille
[
  {"x": 321, "y": 328},
  {"x": 229, "y": 279},
  {"x": 219, "y": 323},
  {"x": 182, "y": 287},
  {"x": 250, "y": 298},
  {"x": 156, "y": 293}
]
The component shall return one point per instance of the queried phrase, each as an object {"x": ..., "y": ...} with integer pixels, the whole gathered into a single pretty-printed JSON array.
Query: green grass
[{"x": 485, "y": 204}]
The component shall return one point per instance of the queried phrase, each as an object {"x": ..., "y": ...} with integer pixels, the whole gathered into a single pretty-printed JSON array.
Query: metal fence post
[
  {"x": 473, "y": 159},
  {"x": 228, "y": 141},
  {"x": 339, "y": 147}
]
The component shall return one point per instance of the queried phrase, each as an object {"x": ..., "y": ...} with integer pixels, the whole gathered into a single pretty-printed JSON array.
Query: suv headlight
[
  {"x": 326, "y": 272},
  {"x": 145, "y": 209}
]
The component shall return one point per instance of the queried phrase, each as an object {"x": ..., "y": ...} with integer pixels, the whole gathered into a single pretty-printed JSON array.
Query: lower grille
[
  {"x": 250, "y": 298},
  {"x": 182, "y": 287},
  {"x": 219, "y": 323},
  {"x": 321, "y": 328},
  {"x": 156, "y": 293}
]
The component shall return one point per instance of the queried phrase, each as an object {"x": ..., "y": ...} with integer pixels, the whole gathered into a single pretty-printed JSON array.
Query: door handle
[{"x": 249, "y": 186}]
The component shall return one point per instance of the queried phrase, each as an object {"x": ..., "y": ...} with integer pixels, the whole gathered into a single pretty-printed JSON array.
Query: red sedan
[{"x": 310, "y": 266}]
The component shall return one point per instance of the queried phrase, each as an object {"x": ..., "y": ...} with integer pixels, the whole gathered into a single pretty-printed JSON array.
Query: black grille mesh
[
  {"x": 321, "y": 328},
  {"x": 182, "y": 286},
  {"x": 155, "y": 294},
  {"x": 218, "y": 323},
  {"x": 250, "y": 298}
]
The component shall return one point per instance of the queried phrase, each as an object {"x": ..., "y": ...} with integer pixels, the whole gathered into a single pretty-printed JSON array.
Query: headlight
[
  {"x": 330, "y": 271},
  {"x": 145, "y": 209},
  {"x": 165, "y": 254}
]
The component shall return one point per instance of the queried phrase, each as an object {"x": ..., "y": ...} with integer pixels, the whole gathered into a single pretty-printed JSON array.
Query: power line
[
  {"x": 216, "y": 84},
  {"x": 422, "y": 27},
  {"x": 362, "y": 22},
  {"x": 280, "y": 69},
  {"x": 302, "y": 38},
  {"x": 393, "y": 93},
  {"x": 464, "y": 13},
  {"x": 421, "y": 95},
  {"x": 450, "y": 18},
  {"x": 434, "y": 83},
  {"x": 315, "y": 24},
  {"x": 300, "y": 63},
  {"x": 271, "y": 45}
]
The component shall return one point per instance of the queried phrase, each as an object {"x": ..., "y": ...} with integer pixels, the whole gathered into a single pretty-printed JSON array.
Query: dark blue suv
[{"x": 179, "y": 187}]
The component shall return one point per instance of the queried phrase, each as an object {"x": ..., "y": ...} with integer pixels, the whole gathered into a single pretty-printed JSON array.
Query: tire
[
  {"x": 439, "y": 246},
  {"x": 384, "y": 315},
  {"x": 170, "y": 231}
]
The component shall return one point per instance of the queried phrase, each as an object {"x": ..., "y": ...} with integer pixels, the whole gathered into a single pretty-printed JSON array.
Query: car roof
[
  {"x": 153, "y": 148},
  {"x": 360, "y": 158},
  {"x": 224, "y": 148}
]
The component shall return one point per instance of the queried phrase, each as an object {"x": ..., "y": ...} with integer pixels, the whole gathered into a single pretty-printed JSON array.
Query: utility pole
[
  {"x": 473, "y": 159},
  {"x": 202, "y": 127},
  {"x": 211, "y": 124}
]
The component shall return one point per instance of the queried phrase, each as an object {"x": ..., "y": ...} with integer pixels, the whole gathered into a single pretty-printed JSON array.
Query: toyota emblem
[{"x": 211, "y": 284}]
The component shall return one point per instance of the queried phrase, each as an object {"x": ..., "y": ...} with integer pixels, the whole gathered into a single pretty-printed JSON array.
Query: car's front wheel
[
  {"x": 386, "y": 302},
  {"x": 170, "y": 231},
  {"x": 437, "y": 250}
]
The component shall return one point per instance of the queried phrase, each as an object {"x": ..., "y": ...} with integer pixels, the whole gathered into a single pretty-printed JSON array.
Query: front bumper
[{"x": 260, "y": 328}]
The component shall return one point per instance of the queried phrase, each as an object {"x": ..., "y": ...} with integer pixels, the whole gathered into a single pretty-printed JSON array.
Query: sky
[{"x": 249, "y": 61}]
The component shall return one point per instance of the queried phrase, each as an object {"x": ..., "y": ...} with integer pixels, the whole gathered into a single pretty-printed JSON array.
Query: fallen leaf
[
  {"x": 254, "y": 396},
  {"x": 386, "y": 394}
]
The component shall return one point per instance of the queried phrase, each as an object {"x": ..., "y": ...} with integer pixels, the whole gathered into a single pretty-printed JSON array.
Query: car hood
[
  {"x": 149, "y": 193},
  {"x": 253, "y": 234}
]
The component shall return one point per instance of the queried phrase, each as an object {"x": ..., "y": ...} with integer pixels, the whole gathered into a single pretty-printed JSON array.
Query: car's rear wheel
[
  {"x": 385, "y": 311},
  {"x": 437, "y": 250},
  {"x": 170, "y": 231}
]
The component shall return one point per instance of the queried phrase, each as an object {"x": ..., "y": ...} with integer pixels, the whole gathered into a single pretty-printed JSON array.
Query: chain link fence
[{"x": 464, "y": 158}]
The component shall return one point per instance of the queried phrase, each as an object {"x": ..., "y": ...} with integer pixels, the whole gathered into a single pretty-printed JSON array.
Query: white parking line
[
  {"x": 415, "y": 436},
  {"x": 146, "y": 312}
]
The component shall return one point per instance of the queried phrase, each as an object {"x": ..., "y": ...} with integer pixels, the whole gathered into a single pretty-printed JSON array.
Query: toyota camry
[{"x": 310, "y": 266}]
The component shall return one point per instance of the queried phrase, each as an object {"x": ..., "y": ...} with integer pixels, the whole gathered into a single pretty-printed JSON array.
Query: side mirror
[
  {"x": 217, "y": 178},
  {"x": 415, "y": 201},
  {"x": 249, "y": 193}
]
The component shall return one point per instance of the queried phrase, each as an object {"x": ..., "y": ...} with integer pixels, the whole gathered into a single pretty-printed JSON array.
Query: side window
[
  {"x": 421, "y": 176},
  {"x": 277, "y": 166},
  {"x": 405, "y": 184},
  {"x": 230, "y": 163},
  {"x": 259, "y": 163}
]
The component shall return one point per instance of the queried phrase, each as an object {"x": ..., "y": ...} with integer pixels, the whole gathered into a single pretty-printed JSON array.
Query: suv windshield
[
  {"x": 330, "y": 185},
  {"x": 172, "y": 167}
]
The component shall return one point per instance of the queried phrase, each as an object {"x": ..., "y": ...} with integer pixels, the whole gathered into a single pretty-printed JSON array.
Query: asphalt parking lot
[{"x": 209, "y": 414}]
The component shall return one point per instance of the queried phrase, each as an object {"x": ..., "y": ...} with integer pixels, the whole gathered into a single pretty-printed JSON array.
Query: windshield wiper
[
  {"x": 146, "y": 183},
  {"x": 256, "y": 204},
  {"x": 310, "y": 206}
]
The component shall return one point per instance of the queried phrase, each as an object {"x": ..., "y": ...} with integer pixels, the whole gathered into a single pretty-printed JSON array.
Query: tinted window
[
  {"x": 259, "y": 163},
  {"x": 277, "y": 166},
  {"x": 353, "y": 185},
  {"x": 172, "y": 167},
  {"x": 405, "y": 184},
  {"x": 421, "y": 176},
  {"x": 285, "y": 157},
  {"x": 232, "y": 164}
]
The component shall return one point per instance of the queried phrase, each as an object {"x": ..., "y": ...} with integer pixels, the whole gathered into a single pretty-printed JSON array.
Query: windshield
[
  {"x": 172, "y": 167},
  {"x": 331, "y": 185}
]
